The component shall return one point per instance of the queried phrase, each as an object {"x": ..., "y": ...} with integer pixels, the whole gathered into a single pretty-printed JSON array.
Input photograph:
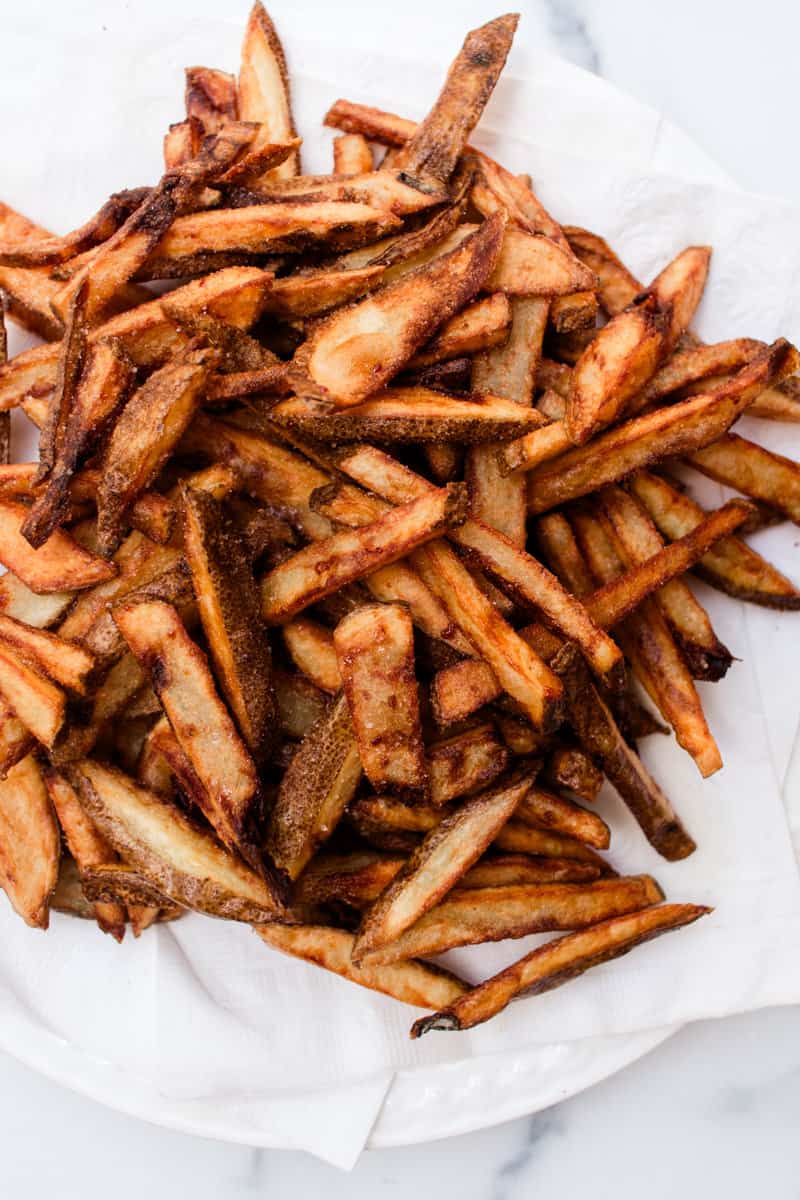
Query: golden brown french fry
[
  {"x": 110, "y": 698},
  {"x": 263, "y": 88},
  {"x": 411, "y": 982},
  {"x": 325, "y": 566},
  {"x": 355, "y": 352},
  {"x": 546, "y": 810},
  {"x": 376, "y": 125},
  {"x": 310, "y": 295},
  {"x": 398, "y": 192},
  {"x": 68, "y": 896},
  {"x": 651, "y": 649},
  {"x": 18, "y": 601},
  {"x": 479, "y": 326},
  {"x": 375, "y": 651},
  {"x": 637, "y": 539},
  {"x": 177, "y": 147},
  {"x": 532, "y": 265},
  {"x": 684, "y": 427},
  {"x": 49, "y": 251},
  {"x": 730, "y": 565},
  {"x": 63, "y": 661},
  {"x": 148, "y": 429},
  {"x": 356, "y": 878},
  {"x": 409, "y": 414},
  {"x": 38, "y": 703},
  {"x": 470, "y": 916},
  {"x": 351, "y": 154},
  {"x": 508, "y": 371},
  {"x": 617, "y": 287},
  {"x": 28, "y": 290},
  {"x": 87, "y": 846},
  {"x": 228, "y": 602},
  {"x": 181, "y": 679},
  {"x": 695, "y": 364},
  {"x": 578, "y": 311},
  {"x": 71, "y": 356},
  {"x": 181, "y": 860},
  {"x": 315, "y": 790},
  {"x": 779, "y": 403},
  {"x": 301, "y": 705},
  {"x": 559, "y": 961},
  {"x": 311, "y": 649},
  {"x": 436, "y": 144},
  {"x": 465, "y": 763},
  {"x": 571, "y": 768},
  {"x": 29, "y": 843},
  {"x": 509, "y": 870},
  {"x": 678, "y": 289},
  {"x": 754, "y": 470}
]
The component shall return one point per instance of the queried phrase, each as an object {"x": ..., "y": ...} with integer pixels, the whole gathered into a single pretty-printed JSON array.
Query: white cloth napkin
[{"x": 201, "y": 1012}]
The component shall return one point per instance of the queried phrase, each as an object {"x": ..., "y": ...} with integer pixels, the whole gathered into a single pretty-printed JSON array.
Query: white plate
[{"x": 444, "y": 1099}]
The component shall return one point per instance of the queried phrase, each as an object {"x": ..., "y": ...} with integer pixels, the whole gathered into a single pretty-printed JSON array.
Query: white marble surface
[{"x": 715, "y": 1104}]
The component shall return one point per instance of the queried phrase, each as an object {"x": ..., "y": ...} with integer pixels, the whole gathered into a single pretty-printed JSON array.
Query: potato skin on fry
[
  {"x": 375, "y": 649},
  {"x": 29, "y": 843}
]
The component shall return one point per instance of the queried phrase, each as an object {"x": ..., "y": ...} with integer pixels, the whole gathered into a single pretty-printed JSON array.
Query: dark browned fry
[
  {"x": 571, "y": 768},
  {"x": 558, "y": 962},
  {"x": 465, "y": 763},
  {"x": 375, "y": 649}
]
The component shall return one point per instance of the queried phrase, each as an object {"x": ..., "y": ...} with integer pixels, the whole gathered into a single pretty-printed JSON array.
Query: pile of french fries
[{"x": 332, "y": 599}]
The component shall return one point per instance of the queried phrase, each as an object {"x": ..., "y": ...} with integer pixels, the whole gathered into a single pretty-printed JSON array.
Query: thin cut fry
[{"x": 263, "y": 89}]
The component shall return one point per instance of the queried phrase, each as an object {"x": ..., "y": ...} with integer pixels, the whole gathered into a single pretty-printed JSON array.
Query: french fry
[
  {"x": 398, "y": 192},
  {"x": 508, "y": 371},
  {"x": 469, "y": 916},
  {"x": 311, "y": 295},
  {"x": 263, "y": 89},
  {"x": 176, "y": 856},
  {"x": 547, "y": 810},
  {"x": 571, "y": 768},
  {"x": 49, "y": 251},
  {"x": 779, "y": 403},
  {"x": 388, "y": 328},
  {"x": 617, "y": 287},
  {"x": 754, "y": 470},
  {"x": 447, "y": 852},
  {"x": 684, "y": 427},
  {"x": 509, "y": 870},
  {"x": 29, "y": 843},
  {"x": 21, "y": 604},
  {"x": 315, "y": 790},
  {"x": 300, "y": 704},
  {"x": 28, "y": 291},
  {"x": 678, "y": 289},
  {"x": 637, "y": 539},
  {"x": 68, "y": 896},
  {"x": 465, "y": 763},
  {"x": 356, "y": 878},
  {"x": 479, "y": 326},
  {"x": 38, "y": 703},
  {"x": 532, "y": 265},
  {"x": 227, "y": 599},
  {"x": 375, "y": 650},
  {"x": 72, "y": 352},
  {"x": 351, "y": 154},
  {"x": 146, "y": 432},
  {"x": 5, "y": 418},
  {"x": 436, "y": 144},
  {"x": 86, "y": 845},
  {"x": 65, "y": 663},
  {"x": 311, "y": 649},
  {"x": 410, "y": 982},
  {"x": 88, "y": 723},
  {"x": 730, "y": 565},
  {"x": 321, "y": 568},
  {"x": 558, "y": 962},
  {"x": 694, "y": 365},
  {"x": 181, "y": 679}
]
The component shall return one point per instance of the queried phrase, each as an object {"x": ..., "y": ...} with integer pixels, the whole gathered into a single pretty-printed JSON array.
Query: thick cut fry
[
  {"x": 665, "y": 433},
  {"x": 29, "y": 843},
  {"x": 481, "y": 325},
  {"x": 678, "y": 290},
  {"x": 263, "y": 89},
  {"x": 558, "y": 962},
  {"x": 649, "y": 645},
  {"x": 447, "y": 852},
  {"x": 311, "y": 649},
  {"x": 511, "y": 870},
  {"x": 614, "y": 367},
  {"x": 81, "y": 733},
  {"x": 508, "y": 371},
  {"x": 779, "y": 403},
  {"x": 259, "y": 229},
  {"x": 465, "y": 763},
  {"x": 344, "y": 557},
  {"x": 731, "y": 565},
  {"x": 356, "y": 351},
  {"x": 228, "y": 602},
  {"x": 301, "y": 705},
  {"x": 411, "y": 982},
  {"x": 470, "y": 916},
  {"x": 617, "y": 287},
  {"x": 64, "y": 662},
  {"x": 436, "y": 144},
  {"x": 19, "y": 602},
  {"x": 637, "y": 539},
  {"x": 146, "y": 432},
  {"x": 176, "y": 856},
  {"x": 28, "y": 291},
  {"x": 181, "y": 679},
  {"x": 310, "y": 295},
  {"x": 87, "y": 846},
  {"x": 351, "y": 154},
  {"x": 38, "y": 703},
  {"x": 754, "y": 470},
  {"x": 571, "y": 768},
  {"x": 315, "y": 790},
  {"x": 375, "y": 649},
  {"x": 695, "y": 364},
  {"x": 409, "y": 414},
  {"x": 546, "y": 810},
  {"x": 356, "y": 878},
  {"x": 532, "y": 265}
]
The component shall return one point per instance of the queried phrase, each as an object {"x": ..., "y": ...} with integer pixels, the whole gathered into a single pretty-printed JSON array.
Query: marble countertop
[{"x": 715, "y": 1103}]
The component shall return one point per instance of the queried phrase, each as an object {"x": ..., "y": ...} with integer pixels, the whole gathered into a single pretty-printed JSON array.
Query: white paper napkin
[{"x": 202, "y": 1010}]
